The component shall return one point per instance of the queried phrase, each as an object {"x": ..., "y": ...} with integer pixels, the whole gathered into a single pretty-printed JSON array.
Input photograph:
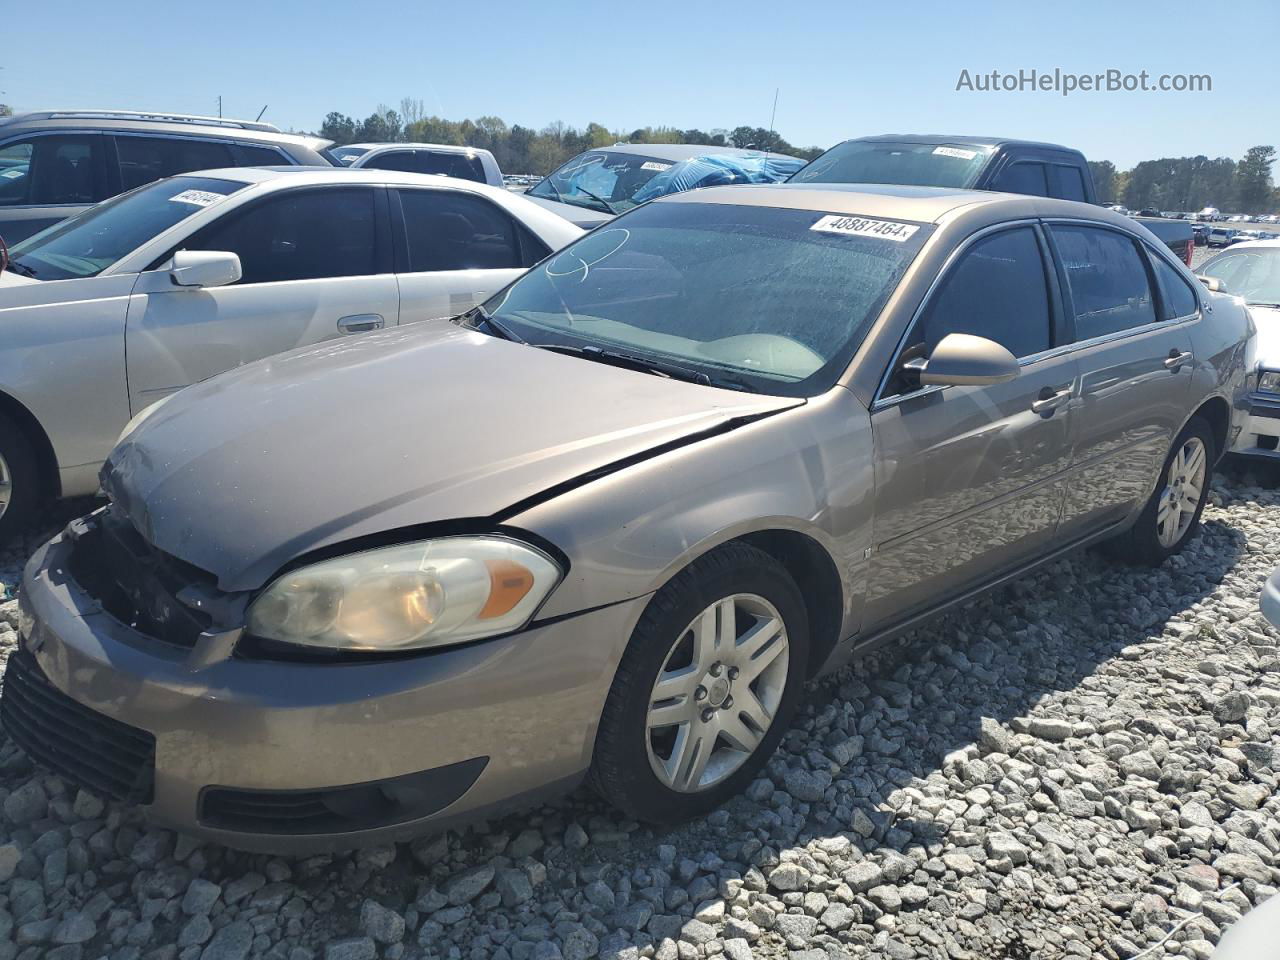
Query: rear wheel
[
  {"x": 1171, "y": 518},
  {"x": 706, "y": 689}
]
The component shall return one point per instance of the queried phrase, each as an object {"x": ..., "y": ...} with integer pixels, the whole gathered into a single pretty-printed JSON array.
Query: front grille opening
[
  {"x": 360, "y": 806},
  {"x": 97, "y": 752},
  {"x": 138, "y": 584}
]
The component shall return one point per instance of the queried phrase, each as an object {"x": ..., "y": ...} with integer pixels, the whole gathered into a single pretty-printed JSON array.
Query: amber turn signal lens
[{"x": 508, "y": 584}]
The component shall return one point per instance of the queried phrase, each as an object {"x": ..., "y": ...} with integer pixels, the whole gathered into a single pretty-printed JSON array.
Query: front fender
[{"x": 807, "y": 469}]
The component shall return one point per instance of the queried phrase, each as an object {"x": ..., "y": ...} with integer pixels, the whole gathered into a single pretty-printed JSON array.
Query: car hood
[
  {"x": 579, "y": 216},
  {"x": 242, "y": 473},
  {"x": 1267, "y": 320}
]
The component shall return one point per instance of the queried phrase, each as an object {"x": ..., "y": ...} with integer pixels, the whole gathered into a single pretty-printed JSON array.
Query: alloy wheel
[
  {"x": 717, "y": 692},
  {"x": 1180, "y": 497},
  {"x": 6, "y": 485}
]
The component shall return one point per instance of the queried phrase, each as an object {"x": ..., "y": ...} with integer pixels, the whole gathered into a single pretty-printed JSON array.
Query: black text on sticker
[{"x": 861, "y": 226}]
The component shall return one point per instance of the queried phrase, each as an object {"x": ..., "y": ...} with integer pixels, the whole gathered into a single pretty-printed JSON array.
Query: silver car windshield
[
  {"x": 912, "y": 164},
  {"x": 1251, "y": 274},
  {"x": 85, "y": 245},
  {"x": 775, "y": 300}
]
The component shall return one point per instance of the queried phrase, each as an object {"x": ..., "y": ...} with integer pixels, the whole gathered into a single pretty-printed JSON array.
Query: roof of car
[
  {"x": 247, "y": 130},
  {"x": 322, "y": 175},
  {"x": 678, "y": 151},
  {"x": 437, "y": 147},
  {"x": 921, "y": 204},
  {"x": 1253, "y": 244},
  {"x": 958, "y": 138}
]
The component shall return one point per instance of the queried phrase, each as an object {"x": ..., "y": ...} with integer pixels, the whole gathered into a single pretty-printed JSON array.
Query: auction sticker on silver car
[
  {"x": 200, "y": 198},
  {"x": 858, "y": 226}
]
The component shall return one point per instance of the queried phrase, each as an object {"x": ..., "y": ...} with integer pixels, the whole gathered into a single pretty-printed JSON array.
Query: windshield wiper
[
  {"x": 20, "y": 268},
  {"x": 600, "y": 200},
  {"x": 1262, "y": 303},
  {"x": 480, "y": 314},
  {"x": 628, "y": 361}
]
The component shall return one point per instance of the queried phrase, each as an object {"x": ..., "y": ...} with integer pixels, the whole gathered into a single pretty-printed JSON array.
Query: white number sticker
[
  {"x": 861, "y": 226},
  {"x": 655, "y": 165},
  {"x": 955, "y": 152},
  {"x": 199, "y": 198},
  {"x": 14, "y": 174}
]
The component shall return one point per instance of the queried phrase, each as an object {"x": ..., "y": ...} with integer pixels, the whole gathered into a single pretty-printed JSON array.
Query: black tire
[
  {"x": 24, "y": 492},
  {"x": 1140, "y": 544},
  {"x": 621, "y": 770}
]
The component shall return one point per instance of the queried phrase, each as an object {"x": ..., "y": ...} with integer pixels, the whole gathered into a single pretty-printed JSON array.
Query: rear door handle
[
  {"x": 360, "y": 323},
  {"x": 1176, "y": 359},
  {"x": 1050, "y": 400}
]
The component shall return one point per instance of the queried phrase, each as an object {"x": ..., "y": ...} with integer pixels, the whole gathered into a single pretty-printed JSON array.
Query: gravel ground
[{"x": 1069, "y": 768}]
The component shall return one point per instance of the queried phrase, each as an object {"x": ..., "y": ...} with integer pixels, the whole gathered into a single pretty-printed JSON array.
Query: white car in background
[
  {"x": 465, "y": 163},
  {"x": 1251, "y": 271},
  {"x": 105, "y": 313}
]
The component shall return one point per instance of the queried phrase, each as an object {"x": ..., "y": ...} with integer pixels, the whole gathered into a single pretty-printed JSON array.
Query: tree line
[{"x": 1170, "y": 183}]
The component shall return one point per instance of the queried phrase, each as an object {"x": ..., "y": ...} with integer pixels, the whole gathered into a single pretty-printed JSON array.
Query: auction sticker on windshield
[
  {"x": 200, "y": 198},
  {"x": 955, "y": 152},
  {"x": 861, "y": 226},
  {"x": 655, "y": 165}
]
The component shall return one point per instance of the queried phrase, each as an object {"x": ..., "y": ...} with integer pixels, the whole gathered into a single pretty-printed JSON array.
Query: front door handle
[
  {"x": 1176, "y": 359},
  {"x": 360, "y": 323},
  {"x": 1050, "y": 400}
]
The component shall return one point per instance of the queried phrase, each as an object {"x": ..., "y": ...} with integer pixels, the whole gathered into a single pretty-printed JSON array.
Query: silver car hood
[
  {"x": 244, "y": 472},
  {"x": 583, "y": 217}
]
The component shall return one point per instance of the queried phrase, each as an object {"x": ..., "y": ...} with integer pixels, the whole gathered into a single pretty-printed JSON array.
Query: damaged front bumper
[
  {"x": 297, "y": 756},
  {"x": 1260, "y": 433}
]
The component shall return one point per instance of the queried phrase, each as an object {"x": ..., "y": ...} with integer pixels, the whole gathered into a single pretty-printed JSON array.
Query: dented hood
[{"x": 244, "y": 472}]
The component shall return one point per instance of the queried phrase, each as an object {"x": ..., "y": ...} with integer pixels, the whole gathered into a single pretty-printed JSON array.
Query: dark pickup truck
[{"x": 976, "y": 163}]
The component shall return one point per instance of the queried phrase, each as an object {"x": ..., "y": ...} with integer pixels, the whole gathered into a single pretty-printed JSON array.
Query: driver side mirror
[
  {"x": 961, "y": 359},
  {"x": 1213, "y": 283},
  {"x": 204, "y": 268}
]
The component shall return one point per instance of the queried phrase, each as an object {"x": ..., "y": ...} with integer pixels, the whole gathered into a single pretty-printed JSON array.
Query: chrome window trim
[{"x": 880, "y": 400}]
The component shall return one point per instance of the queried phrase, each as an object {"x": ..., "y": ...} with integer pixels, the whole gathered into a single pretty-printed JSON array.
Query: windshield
[
  {"x": 601, "y": 180},
  {"x": 1251, "y": 274},
  {"x": 347, "y": 155},
  {"x": 769, "y": 299},
  {"x": 911, "y": 164},
  {"x": 85, "y": 245}
]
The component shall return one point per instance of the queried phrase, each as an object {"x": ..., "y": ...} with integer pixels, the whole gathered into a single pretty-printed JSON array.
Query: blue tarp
[{"x": 716, "y": 170}]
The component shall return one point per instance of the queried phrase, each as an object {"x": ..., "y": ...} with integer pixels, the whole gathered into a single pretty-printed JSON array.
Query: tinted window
[
  {"x": 143, "y": 159},
  {"x": 89, "y": 243},
  {"x": 461, "y": 165},
  {"x": 1066, "y": 183},
  {"x": 881, "y": 161},
  {"x": 1178, "y": 299},
  {"x": 1107, "y": 280},
  {"x": 299, "y": 235},
  {"x": 997, "y": 290},
  {"x": 247, "y": 156},
  {"x": 51, "y": 170},
  {"x": 1022, "y": 177},
  {"x": 775, "y": 300},
  {"x": 450, "y": 231}
]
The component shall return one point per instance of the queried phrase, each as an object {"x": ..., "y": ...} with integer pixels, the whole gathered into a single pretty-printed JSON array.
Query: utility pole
[{"x": 219, "y": 106}]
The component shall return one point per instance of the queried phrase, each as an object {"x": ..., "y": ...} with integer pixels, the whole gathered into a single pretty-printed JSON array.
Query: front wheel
[
  {"x": 706, "y": 688},
  {"x": 19, "y": 480},
  {"x": 1171, "y": 518}
]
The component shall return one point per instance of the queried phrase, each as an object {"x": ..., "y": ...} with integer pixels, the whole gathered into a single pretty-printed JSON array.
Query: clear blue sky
[{"x": 844, "y": 68}]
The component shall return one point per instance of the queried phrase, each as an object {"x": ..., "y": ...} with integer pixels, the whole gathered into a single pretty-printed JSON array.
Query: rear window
[
  {"x": 909, "y": 164},
  {"x": 85, "y": 245},
  {"x": 461, "y": 165}
]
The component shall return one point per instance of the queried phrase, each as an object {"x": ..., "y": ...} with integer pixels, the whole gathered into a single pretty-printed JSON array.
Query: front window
[
  {"x": 601, "y": 180},
  {"x": 463, "y": 166},
  {"x": 85, "y": 245},
  {"x": 909, "y": 164},
  {"x": 761, "y": 298},
  {"x": 1251, "y": 274}
]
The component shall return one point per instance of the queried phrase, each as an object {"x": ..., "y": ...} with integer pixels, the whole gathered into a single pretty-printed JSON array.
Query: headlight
[
  {"x": 424, "y": 594},
  {"x": 1269, "y": 381}
]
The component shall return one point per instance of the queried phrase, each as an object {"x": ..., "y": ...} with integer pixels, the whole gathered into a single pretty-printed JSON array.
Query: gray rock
[
  {"x": 805, "y": 786},
  {"x": 993, "y": 737},
  {"x": 1232, "y": 707},
  {"x": 575, "y": 838},
  {"x": 514, "y": 887},
  {"x": 862, "y": 876},
  {"x": 26, "y": 804},
  {"x": 738, "y": 949},
  {"x": 381, "y": 923},
  {"x": 789, "y": 876},
  {"x": 1049, "y": 728},
  {"x": 580, "y": 944},
  {"x": 466, "y": 886},
  {"x": 74, "y": 927},
  {"x": 232, "y": 942},
  {"x": 351, "y": 948}
]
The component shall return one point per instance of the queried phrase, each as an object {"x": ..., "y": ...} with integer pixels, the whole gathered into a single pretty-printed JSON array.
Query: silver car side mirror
[
  {"x": 205, "y": 268},
  {"x": 961, "y": 359},
  {"x": 1213, "y": 283}
]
